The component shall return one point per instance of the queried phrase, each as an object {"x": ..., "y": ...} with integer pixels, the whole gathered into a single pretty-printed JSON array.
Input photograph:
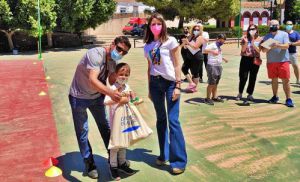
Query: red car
[{"x": 133, "y": 22}]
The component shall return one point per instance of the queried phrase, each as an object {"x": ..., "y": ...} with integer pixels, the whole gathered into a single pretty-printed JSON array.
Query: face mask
[
  {"x": 122, "y": 81},
  {"x": 219, "y": 44},
  {"x": 273, "y": 28},
  {"x": 156, "y": 29},
  {"x": 289, "y": 27},
  {"x": 196, "y": 32},
  {"x": 252, "y": 32},
  {"x": 115, "y": 55}
]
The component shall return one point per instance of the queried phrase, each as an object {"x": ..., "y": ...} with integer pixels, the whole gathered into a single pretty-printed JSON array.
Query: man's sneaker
[
  {"x": 126, "y": 169},
  {"x": 218, "y": 99},
  {"x": 91, "y": 168},
  {"x": 250, "y": 98},
  {"x": 289, "y": 103},
  {"x": 160, "y": 162},
  {"x": 238, "y": 97},
  {"x": 115, "y": 173},
  {"x": 209, "y": 102},
  {"x": 177, "y": 171},
  {"x": 274, "y": 100}
]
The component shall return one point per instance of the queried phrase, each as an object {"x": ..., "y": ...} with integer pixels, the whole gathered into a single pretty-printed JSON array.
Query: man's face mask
[{"x": 273, "y": 28}]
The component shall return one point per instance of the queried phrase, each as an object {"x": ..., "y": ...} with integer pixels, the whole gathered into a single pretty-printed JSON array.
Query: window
[{"x": 123, "y": 10}]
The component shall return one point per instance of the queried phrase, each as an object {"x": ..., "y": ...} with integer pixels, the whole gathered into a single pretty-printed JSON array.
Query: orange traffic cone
[
  {"x": 53, "y": 172},
  {"x": 50, "y": 162}
]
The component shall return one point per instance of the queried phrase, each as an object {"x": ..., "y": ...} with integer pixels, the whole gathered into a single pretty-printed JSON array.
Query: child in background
[
  {"x": 118, "y": 156},
  {"x": 214, "y": 69}
]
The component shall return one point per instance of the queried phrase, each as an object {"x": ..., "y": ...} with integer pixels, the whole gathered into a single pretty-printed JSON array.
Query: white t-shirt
[
  {"x": 162, "y": 64},
  {"x": 205, "y": 36},
  {"x": 212, "y": 59},
  {"x": 113, "y": 107}
]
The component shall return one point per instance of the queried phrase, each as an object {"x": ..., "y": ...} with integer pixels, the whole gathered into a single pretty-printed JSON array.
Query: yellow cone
[
  {"x": 53, "y": 172},
  {"x": 42, "y": 93},
  {"x": 48, "y": 78}
]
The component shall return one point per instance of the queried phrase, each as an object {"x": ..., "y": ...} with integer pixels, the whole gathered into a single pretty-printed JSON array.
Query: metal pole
[
  {"x": 39, "y": 33},
  {"x": 240, "y": 14}
]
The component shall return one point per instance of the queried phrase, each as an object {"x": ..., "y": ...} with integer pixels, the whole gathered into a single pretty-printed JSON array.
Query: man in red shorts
[{"x": 278, "y": 62}]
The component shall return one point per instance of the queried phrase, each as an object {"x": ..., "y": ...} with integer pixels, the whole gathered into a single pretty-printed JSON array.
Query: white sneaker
[
  {"x": 250, "y": 98},
  {"x": 239, "y": 97}
]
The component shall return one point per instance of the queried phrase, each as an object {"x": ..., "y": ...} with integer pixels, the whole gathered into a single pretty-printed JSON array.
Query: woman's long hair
[
  {"x": 149, "y": 37},
  {"x": 248, "y": 32},
  {"x": 193, "y": 37}
]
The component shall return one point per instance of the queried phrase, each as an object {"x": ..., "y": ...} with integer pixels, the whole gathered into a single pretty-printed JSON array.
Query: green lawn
[{"x": 225, "y": 142}]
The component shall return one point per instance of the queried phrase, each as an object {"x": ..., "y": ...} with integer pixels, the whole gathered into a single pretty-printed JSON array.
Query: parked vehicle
[
  {"x": 138, "y": 30},
  {"x": 133, "y": 22}
]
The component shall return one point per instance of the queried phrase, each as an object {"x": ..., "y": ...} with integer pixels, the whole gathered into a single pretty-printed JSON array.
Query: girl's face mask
[{"x": 122, "y": 81}]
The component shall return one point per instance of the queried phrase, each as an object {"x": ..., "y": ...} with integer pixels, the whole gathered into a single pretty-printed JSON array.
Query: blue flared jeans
[{"x": 170, "y": 136}]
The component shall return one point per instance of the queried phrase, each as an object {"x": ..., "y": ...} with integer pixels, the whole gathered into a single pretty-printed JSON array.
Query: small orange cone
[
  {"x": 50, "y": 162},
  {"x": 53, "y": 172}
]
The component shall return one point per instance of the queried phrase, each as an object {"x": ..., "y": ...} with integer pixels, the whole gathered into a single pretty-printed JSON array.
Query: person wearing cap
[
  {"x": 278, "y": 62},
  {"x": 294, "y": 41},
  {"x": 88, "y": 90}
]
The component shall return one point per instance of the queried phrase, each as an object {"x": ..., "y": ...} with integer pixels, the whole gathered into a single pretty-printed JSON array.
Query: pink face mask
[{"x": 156, "y": 29}]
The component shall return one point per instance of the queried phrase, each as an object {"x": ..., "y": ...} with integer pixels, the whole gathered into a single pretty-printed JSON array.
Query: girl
[
  {"x": 250, "y": 52},
  {"x": 118, "y": 156},
  {"x": 193, "y": 57},
  {"x": 162, "y": 54}
]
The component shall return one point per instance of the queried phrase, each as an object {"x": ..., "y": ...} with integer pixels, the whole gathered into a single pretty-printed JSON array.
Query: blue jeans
[
  {"x": 80, "y": 119},
  {"x": 172, "y": 145}
]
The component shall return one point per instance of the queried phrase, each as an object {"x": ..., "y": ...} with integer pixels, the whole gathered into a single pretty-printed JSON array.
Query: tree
[
  {"x": 78, "y": 15},
  {"x": 290, "y": 13},
  {"x": 7, "y": 22},
  {"x": 199, "y": 9},
  {"x": 22, "y": 15}
]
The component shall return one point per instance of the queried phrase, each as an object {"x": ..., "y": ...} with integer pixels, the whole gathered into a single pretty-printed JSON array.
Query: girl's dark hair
[
  {"x": 221, "y": 36},
  {"x": 122, "y": 66},
  {"x": 149, "y": 37},
  {"x": 124, "y": 40},
  {"x": 248, "y": 32}
]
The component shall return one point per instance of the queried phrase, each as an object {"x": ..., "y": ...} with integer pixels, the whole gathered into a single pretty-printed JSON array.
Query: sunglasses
[
  {"x": 156, "y": 24},
  {"x": 196, "y": 29},
  {"x": 120, "y": 49},
  {"x": 289, "y": 24},
  {"x": 252, "y": 29}
]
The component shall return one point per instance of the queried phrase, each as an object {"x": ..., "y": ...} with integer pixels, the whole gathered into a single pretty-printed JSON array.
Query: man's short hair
[
  {"x": 274, "y": 22},
  {"x": 122, "y": 39}
]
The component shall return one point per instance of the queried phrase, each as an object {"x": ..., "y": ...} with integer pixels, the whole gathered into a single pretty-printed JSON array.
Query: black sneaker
[
  {"x": 91, "y": 168},
  {"x": 209, "y": 102},
  {"x": 218, "y": 99},
  {"x": 115, "y": 173},
  {"x": 126, "y": 169}
]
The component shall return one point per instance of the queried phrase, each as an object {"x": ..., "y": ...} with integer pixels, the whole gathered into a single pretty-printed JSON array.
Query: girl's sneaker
[
  {"x": 126, "y": 169},
  {"x": 115, "y": 173}
]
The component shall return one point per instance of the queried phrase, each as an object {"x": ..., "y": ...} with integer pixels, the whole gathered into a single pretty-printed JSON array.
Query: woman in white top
[{"x": 162, "y": 53}]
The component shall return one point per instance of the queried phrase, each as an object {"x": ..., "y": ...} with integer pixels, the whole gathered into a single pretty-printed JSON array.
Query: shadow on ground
[
  {"x": 72, "y": 162},
  {"x": 144, "y": 155}
]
